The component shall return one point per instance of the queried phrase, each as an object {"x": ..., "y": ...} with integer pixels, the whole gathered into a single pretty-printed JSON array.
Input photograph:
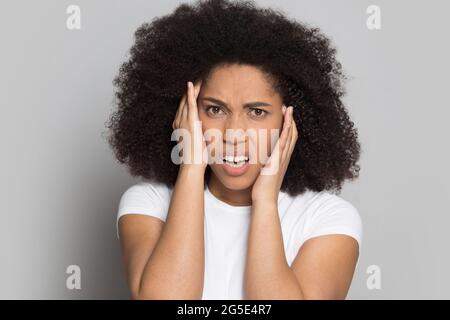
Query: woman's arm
[
  {"x": 324, "y": 265},
  {"x": 168, "y": 262},
  {"x": 323, "y": 268},
  {"x": 169, "y": 266},
  {"x": 267, "y": 273}
]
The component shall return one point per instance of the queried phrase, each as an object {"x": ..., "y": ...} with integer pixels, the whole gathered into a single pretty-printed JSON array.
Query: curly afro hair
[{"x": 188, "y": 43}]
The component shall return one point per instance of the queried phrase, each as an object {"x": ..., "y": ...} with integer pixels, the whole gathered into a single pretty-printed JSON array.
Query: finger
[
  {"x": 280, "y": 145},
  {"x": 294, "y": 137},
  {"x": 184, "y": 109},
  {"x": 285, "y": 130},
  {"x": 289, "y": 136},
  {"x": 276, "y": 152},
  {"x": 192, "y": 101},
  {"x": 177, "y": 119},
  {"x": 190, "y": 97},
  {"x": 182, "y": 101},
  {"x": 197, "y": 88}
]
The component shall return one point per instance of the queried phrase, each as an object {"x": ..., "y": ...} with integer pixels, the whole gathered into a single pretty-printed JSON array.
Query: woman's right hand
[{"x": 193, "y": 154}]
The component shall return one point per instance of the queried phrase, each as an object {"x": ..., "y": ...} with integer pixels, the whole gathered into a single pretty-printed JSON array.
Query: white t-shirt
[{"x": 302, "y": 217}]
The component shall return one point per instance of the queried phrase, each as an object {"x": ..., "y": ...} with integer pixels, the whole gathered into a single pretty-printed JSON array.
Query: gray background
[{"x": 60, "y": 184}]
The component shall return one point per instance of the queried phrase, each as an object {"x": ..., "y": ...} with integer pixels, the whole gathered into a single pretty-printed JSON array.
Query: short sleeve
[
  {"x": 147, "y": 198},
  {"x": 335, "y": 215}
]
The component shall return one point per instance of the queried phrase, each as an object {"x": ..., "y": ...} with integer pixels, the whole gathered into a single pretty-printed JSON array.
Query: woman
[{"x": 224, "y": 229}]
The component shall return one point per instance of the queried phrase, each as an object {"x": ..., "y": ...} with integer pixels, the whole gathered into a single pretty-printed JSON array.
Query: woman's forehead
[
  {"x": 238, "y": 85},
  {"x": 238, "y": 75}
]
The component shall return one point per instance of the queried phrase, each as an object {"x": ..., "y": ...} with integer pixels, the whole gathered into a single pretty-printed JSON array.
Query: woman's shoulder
[
  {"x": 326, "y": 201},
  {"x": 146, "y": 197},
  {"x": 325, "y": 212},
  {"x": 318, "y": 201},
  {"x": 149, "y": 188}
]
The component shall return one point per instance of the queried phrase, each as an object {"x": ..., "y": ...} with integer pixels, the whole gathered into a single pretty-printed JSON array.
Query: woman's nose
[
  {"x": 236, "y": 121},
  {"x": 235, "y": 128}
]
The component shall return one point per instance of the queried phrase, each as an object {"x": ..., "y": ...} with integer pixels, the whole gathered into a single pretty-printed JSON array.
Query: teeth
[
  {"x": 237, "y": 159},
  {"x": 232, "y": 164}
]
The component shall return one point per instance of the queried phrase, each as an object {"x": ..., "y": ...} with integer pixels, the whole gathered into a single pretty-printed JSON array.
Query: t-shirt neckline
[{"x": 227, "y": 206}]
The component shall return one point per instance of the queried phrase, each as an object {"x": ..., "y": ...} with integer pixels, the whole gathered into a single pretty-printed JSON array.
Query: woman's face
[{"x": 240, "y": 97}]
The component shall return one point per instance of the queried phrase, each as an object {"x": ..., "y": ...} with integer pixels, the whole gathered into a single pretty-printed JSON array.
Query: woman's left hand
[{"x": 268, "y": 184}]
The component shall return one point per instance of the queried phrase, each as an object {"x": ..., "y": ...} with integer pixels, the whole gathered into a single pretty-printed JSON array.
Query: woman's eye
[
  {"x": 213, "y": 109},
  {"x": 258, "y": 112}
]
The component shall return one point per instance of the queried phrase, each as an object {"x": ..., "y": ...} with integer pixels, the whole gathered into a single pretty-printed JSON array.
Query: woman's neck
[{"x": 232, "y": 197}]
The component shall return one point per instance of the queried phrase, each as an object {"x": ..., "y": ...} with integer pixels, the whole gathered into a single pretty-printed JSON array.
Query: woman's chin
[{"x": 233, "y": 181}]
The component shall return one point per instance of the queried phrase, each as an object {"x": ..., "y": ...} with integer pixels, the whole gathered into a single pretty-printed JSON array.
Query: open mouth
[{"x": 235, "y": 162}]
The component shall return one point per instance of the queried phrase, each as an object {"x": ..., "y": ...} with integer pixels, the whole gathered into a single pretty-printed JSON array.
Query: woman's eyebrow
[{"x": 246, "y": 105}]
